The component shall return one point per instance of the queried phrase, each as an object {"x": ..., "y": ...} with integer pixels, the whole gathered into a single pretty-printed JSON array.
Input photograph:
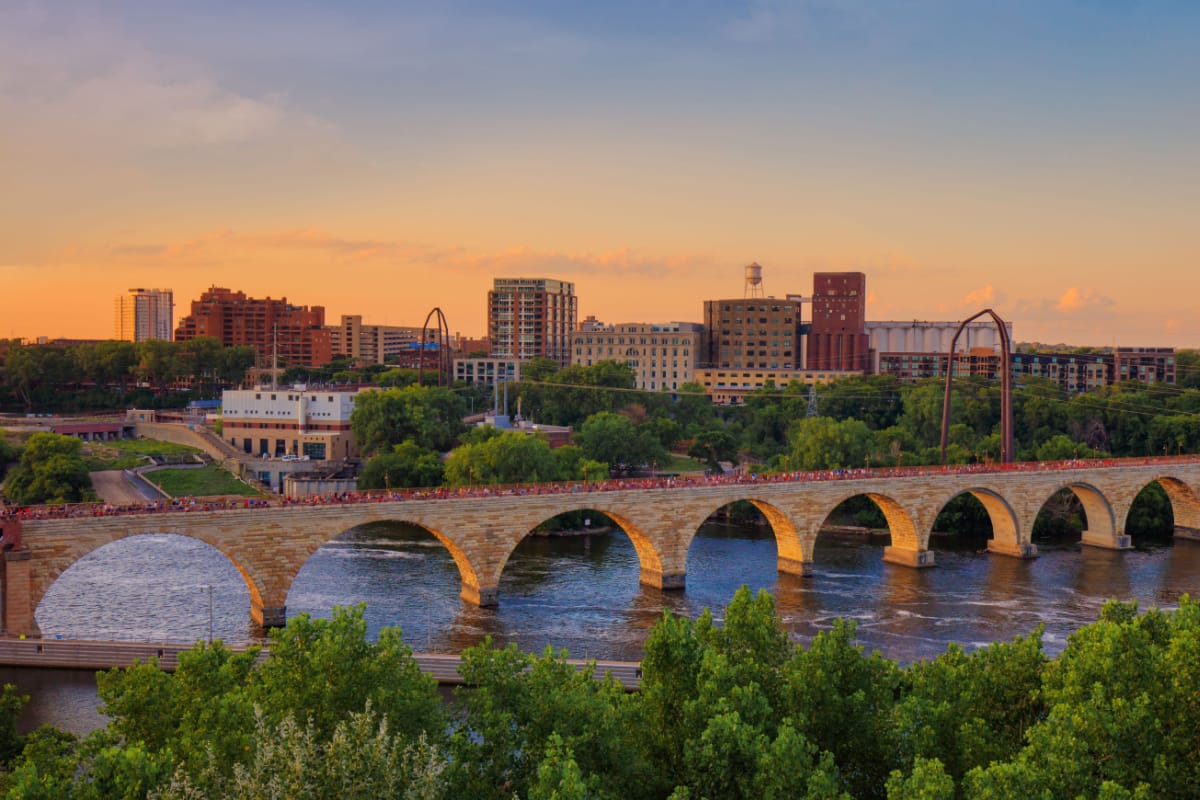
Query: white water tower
[{"x": 754, "y": 287}]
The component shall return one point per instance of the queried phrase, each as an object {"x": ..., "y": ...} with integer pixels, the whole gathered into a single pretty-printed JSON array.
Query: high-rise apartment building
[
  {"x": 143, "y": 314},
  {"x": 838, "y": 337},
  {"x": 532, "y": 317},
  {"x": 297, "y": 334}
]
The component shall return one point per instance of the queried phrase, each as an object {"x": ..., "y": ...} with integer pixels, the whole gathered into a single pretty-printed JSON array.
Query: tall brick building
[
  {"x": 298, "y": 332},
  {"x": 531, "y": 318},
  {"x": 838, "y": 338}
]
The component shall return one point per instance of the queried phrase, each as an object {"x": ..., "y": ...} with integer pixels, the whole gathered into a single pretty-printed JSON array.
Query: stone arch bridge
[{"x": 270, "y": 545}]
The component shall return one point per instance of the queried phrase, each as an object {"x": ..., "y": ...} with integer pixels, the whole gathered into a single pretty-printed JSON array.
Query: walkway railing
[
  {"x": 191, "y": 504},
  {"x": 92, "y": 655}
]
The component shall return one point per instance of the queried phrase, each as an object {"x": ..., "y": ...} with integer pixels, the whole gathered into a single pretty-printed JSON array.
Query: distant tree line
[
  {"x": 52, "y": 379},
  {"x": 727, "y": 711}
]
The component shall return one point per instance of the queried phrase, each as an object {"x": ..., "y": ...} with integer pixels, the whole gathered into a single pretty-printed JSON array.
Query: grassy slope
[{"x": 204, "y": 481}]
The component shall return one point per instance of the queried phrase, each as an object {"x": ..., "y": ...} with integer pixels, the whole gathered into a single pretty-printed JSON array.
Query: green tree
[
  {"x": 407, "y": 465},
  {"x": 823, "y": 443},
  {"x": 967, "y": 710},
  {"x": 430, "y": 416},
  {"x": 843, "y": 700},
  {"x": 693, "y": 408},
  {"x": 523, "y": 712},
  {"x": 507, "y": 457},
  {"x": 51, "y": 470},
  {"x": 713, "y": 445},
  {"x": 927, "y": 781},
  {"x": 159, "y": 363},
  {"x": 324, "y": 670},
  {"x": 871, "y": 399},
  {"x": 615, "y": 440},
  {"x": 558, "y": 776},
  {"x": 36, "y": 370},
  {"x": 361, "y": 760},
  {"x": 1059, "y": 447},
  {"x": 12, "y": 703},
  {"x": 9, "y": 453},
  {"x": 540, "y": 369}
]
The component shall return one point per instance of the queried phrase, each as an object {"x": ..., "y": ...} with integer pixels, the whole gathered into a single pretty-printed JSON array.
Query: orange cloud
[
  {"x": 1074, "y": 300},
  {"x": 980, "y": 297}
]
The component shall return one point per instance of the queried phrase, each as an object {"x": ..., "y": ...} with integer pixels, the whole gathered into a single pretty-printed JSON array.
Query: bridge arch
[
  {"x": 794, "y": 554},
  {"x": 901, "y": 526},
  {"x": 1101, "y": 519},
  {"x": 467, "y": 570},
  {"x": 52, "y": 569},
  {"x": 1008, "y": 535},
  {"x": 649, "y": 558},
  {"x": 1185, "y": 506}
]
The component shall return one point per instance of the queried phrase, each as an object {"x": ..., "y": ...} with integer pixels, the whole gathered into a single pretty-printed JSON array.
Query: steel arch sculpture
[
  {"x": 443, "y": 348},
  {"x": 1007, "y": 456}
]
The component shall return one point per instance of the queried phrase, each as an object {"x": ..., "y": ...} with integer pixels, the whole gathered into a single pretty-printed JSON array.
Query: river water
[{"x": 582, "y": 593}]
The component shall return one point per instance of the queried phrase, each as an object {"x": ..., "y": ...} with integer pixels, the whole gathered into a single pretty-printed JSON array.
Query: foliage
[
  {"x": 822, "y": 443},
  {"x": 572, "y": 394},
  {"x": 102, "y": 375},
  {"x": 12, "y": 703},
  {"x": 429, "y": 416},
  {"x": 9, "y": 453},
  {"x": 406, "y": 465},
  {"x": 614, "y": 440},
  {"x": 205, "y": 726},
  {"x": 508, "y": 457},
  {"x": 325, "y": 669},
  {"x": 361, "y": 760},
  {"x": 871, "y": 399},
  {"x": 1122, "y": 712},
  {"x": 523, "y": 712},
  {"x": 1151, "y": 513},
  {"x": 51, "y": 470},
  {"x": 712, "y": 446},
  {"x": 727, "y": 709}
]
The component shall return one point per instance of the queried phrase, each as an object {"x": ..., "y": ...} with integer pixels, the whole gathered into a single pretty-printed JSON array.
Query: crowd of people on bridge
[{"x": 193, "y": 504}]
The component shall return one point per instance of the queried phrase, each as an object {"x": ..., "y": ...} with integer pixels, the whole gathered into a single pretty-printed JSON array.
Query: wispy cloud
[
  {"x": 225, "y": 245},
  {"x": 67, "y": 75}
]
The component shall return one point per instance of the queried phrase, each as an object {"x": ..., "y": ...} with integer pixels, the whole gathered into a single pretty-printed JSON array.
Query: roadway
[{"x": 114, "y": 488}]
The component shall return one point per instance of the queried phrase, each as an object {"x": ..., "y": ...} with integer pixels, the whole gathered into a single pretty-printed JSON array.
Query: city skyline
[{"x": 383, "y": 160}]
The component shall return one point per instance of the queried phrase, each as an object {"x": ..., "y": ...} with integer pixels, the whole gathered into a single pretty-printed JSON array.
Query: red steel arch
[
  {"x": 443, "y": 351},
  {"x": 1007, "y": 454}
]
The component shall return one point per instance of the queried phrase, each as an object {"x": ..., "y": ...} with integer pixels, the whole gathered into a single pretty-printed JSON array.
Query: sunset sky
[{"x": 382, "y": 158}]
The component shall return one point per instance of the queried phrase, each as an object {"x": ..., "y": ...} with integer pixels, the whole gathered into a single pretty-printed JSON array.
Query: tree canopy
[
  {"x": 429, "y": 416},
  {"x": 51, "y": 470},
  {"x": 730, "y": 710}
]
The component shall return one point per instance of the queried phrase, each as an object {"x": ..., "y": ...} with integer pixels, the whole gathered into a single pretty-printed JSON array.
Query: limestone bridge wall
[{"x": 269, "y": 546}]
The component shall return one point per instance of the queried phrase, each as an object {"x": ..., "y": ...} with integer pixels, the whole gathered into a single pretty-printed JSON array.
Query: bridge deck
[{"x": 93, "y": 655}]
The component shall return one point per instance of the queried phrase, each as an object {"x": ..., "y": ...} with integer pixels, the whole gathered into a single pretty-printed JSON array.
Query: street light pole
[{"x": 210, "y": 612}]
